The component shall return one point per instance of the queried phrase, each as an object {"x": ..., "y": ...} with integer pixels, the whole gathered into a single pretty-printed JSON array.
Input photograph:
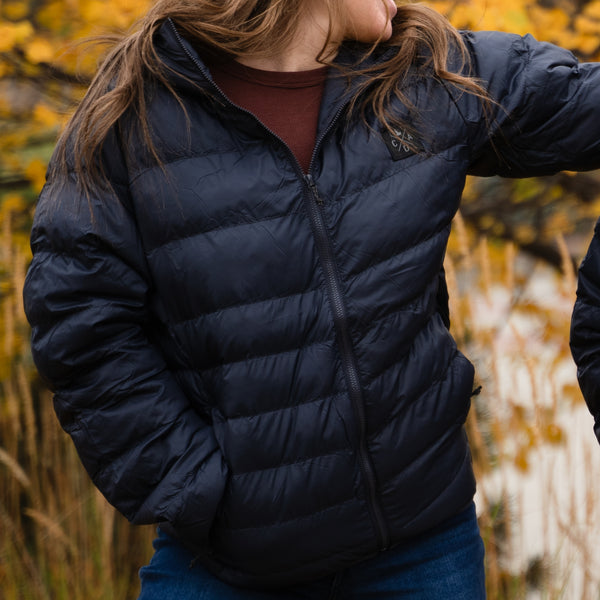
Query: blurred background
[{"x": 511, "y": 271}]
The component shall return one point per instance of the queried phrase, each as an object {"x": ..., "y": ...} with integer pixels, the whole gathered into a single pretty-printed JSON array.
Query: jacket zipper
[
  {"x": 333, "y": 285},
  {"x": 348, "y": 359}
]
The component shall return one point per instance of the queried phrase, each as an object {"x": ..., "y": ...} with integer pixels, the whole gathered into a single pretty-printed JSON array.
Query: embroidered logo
[{"x": 401, "y": 144}]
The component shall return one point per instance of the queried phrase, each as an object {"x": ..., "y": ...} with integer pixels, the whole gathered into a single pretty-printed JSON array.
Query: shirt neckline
[{"x": 283, "y": 79}]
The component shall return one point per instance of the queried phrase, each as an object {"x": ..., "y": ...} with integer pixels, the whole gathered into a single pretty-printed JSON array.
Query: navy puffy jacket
[{"x": 258, "y": 358}]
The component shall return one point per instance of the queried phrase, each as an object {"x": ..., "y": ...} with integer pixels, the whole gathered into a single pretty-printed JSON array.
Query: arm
[
  {"x": 585, "y": 328},
  {"x": 546, "y": 118},
  {"x": 86, "y": 296},
  {"x": 546, "y": 115}
]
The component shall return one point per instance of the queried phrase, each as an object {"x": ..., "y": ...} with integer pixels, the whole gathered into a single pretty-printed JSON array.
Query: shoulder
[{"x": 496, "y": 55}]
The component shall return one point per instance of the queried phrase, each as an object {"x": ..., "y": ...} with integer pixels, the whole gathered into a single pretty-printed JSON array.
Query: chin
[
  {"x": 370, "y": 37},
  {"x": 387, "y": 34}
]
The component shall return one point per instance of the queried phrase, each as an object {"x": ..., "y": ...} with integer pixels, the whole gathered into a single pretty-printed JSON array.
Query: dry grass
[
  {"x": 60, "y": 538},
  {"x": 534, "y": 451}
]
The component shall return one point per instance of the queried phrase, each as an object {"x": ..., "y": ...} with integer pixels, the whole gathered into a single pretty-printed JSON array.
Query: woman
[{"x": 237, "y": 290}]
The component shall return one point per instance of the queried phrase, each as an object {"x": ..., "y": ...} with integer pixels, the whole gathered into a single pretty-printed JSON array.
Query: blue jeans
[{"x": 446, "y": 563}]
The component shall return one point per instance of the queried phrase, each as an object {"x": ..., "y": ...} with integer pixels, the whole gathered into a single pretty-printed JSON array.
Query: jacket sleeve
[
  {"x": 585, "y": 328},
  {"x": 545, "y": 111},
  {"x": 86, "y": 297}
]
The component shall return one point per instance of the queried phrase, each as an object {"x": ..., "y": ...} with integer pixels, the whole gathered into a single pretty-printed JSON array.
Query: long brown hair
[{"x": 238, "y": 28}]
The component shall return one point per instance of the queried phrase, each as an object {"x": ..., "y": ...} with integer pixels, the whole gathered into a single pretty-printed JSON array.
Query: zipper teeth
[
  {"x": 184, "y": 47},
  {"x": 350, "y": 367},
  {"x": 333, "y": 286}
]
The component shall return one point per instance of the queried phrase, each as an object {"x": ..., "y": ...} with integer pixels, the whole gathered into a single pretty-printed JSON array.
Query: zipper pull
[{"x": 313, "y": 188}]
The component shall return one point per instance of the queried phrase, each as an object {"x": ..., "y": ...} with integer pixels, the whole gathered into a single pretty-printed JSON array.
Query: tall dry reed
[{"x": 530, "y": 433}]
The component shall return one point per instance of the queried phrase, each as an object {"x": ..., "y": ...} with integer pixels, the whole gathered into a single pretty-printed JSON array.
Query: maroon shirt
[{"x": 286, "y": 102}]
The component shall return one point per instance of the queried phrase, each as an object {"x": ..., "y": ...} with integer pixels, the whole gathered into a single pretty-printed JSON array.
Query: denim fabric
[{"x": 444, "y": 563}]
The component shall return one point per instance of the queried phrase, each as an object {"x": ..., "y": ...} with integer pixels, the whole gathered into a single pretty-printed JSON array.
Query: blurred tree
[
  {"x": 533, "y": 212},
  {"x": 43, "y": 73}
]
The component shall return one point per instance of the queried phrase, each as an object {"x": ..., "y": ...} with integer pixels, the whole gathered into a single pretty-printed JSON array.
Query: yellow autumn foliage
[
  {"x": 15, "y": 10},
  {"x": 14, "y": 34},
  {"x": 40, "y": 57},
  {"x": 557, "y": 22},
  {"x": 39, "y": 50},
  {"x": 35, "y": 171},
  {"x": 44, "y": 115},
  {"x": 58, "y": 11}
]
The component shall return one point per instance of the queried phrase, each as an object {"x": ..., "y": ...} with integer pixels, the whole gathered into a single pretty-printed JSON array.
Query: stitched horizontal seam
[
  {"x": 300, "y": 518},
  {"x": 74, "y": 253},
  {"x": 182, "y": 157},
  {"x": 76, "y": 174},
  {"x": 440, "y": 154},
  {"x": 224, "y": 228},
  {"x": 435, "y": 496},
  {"x": 240, "y": 304},
  {"x": 97, "y": 303},
  {"x": 406, "y": 307},
  {"x": 282, "y": 408},
  {"x": 402, "y": 251},
  {"x": 400, "y": 358},
  {"x": 299, "y": 461},
  {"x": 398, "y": 473},
  {"x": 438, "y": 380},
  {"x": 425, "y": 450},
  {"x": 260, "y": 356},
  {"x": 371, "y": 184}
]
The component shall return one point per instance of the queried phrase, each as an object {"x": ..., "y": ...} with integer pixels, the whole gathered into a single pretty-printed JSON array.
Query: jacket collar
[
  {"x": 188, "y": 70},
  {"x": 185, "y": 65}
]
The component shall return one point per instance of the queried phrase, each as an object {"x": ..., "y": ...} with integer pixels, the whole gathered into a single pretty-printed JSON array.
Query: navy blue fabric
[
  {"x": 260, "y": 360},
  {"x": 585, "y": 328}
]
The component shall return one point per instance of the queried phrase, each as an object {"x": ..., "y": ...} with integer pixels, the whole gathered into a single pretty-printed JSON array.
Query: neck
[
  {"x": 302, "y": 51},
  {"x": 283, "y": 63}
]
